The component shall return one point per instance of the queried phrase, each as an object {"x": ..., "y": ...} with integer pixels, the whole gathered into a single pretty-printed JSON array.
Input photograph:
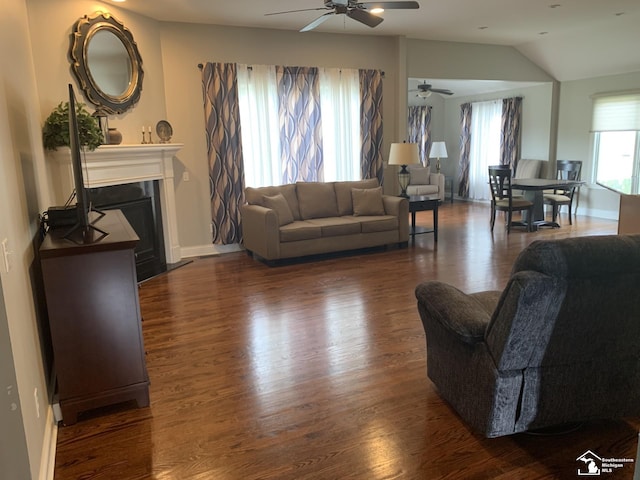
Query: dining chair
[
  {"x": 566, "y": 170},
  {"x": 502, "y": 197}
]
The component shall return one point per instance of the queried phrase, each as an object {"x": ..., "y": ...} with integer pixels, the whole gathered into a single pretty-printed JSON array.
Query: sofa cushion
[
  {"x": 316, "y": 200},
  {"x": 254, "y": 196},
  {"x": 343, "y": 193},
  {"x": 334, "y": 226},
  {"x": 378, "y": 223},
  {"x": 423, "y": 190},
  {"x": 300, "y": 230},
  {"x": 419, "y": 175},
  {"x": 367, "y": 201},
  {"x": 281, "y": 207},
  {"x": 528, "y": 168}
]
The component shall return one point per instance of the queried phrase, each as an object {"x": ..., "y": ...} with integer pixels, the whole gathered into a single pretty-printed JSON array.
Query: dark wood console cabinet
[{"x": 94, "y": 316}]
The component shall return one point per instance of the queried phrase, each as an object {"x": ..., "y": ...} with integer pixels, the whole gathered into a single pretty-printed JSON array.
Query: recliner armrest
[
  {"x": 438, "y": 179},
  {"x": 464, "y": 315}
]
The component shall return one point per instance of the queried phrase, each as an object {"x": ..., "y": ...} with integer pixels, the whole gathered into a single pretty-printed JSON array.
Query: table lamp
[
  {"x": 438, "y": 151},
  {"x": 403, "y": 154}
]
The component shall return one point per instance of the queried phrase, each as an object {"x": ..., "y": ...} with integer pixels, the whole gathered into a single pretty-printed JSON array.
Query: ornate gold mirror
[{"x": 106, "y": 61}]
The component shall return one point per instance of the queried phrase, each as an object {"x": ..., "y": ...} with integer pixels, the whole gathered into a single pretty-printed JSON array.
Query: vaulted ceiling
[{"x": 569, "y": 39}]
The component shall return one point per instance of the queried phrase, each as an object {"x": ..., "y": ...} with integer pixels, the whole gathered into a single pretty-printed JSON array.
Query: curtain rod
[{"x": 201, "y": 66}]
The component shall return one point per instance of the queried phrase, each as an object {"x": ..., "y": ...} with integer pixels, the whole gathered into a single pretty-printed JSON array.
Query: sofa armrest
[
  {"x": 399, "y": 207},
  {"x": 465, "y": 316},
  {"x": 438, "y": 179},
  {"x": 261, "y": 231}
]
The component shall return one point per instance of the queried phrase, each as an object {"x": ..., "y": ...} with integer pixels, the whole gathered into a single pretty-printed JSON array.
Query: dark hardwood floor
[{"x": 316, "y": 370}]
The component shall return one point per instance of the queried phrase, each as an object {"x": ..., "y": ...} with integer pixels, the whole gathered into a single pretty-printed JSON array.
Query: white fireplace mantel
[{"x": 119, "y": 164}]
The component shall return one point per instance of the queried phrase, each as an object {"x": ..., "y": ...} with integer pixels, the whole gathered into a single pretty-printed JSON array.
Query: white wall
[
  {"x": 429, "y": 59},
  {"x": 575, "y": 140},
  {"x": 23, "y": 193}
]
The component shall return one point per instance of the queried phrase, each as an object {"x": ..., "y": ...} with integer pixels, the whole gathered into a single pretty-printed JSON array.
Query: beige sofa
[
  {"x": 423, "y": 182},
  {"x": 309, "y": 218}
]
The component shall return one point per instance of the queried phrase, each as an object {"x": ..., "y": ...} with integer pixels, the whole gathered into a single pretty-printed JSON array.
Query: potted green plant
[{"x": 55, "y": 132}]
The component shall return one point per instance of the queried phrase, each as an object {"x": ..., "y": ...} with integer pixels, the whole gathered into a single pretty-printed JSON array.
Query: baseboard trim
[
  {"x": 48, "y": 458},
  {"x": 207, "y": 250}
]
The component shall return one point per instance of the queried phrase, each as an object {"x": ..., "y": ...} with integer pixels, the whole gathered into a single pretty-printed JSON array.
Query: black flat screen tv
[{"x": 83, "y": 231}]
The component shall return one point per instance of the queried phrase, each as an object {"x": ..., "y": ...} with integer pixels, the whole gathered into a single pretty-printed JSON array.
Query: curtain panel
[
  {"x": 300, "y": 124},
  {"x": 511, "y": 134},
  {"x": 371, "y": 124},
  {"x": 465, "y": 150},
  {"x": 419, "y": 124},
  {"x": 224, "y": 150}
]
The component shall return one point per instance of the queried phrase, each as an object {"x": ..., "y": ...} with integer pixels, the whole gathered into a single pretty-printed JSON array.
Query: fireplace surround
[{"x": 110, "y": 165}]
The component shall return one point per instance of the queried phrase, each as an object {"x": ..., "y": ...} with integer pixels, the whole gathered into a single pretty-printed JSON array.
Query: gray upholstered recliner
[{"x": 560, "y": 344}]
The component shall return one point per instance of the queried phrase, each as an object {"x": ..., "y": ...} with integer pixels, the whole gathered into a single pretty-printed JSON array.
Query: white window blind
[{"x": 616, "y": 113}]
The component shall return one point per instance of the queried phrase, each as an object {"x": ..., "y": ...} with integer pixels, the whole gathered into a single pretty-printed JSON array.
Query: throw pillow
[
  {"x": 280, "y": 205},
  {"x": 316, "y": 200},
  {"x": 419, "y": 175},
  {"x": 367, "y": 201}
]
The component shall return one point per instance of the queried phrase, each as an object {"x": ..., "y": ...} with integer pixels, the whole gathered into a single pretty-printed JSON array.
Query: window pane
[{"x": 615, "y": 160}]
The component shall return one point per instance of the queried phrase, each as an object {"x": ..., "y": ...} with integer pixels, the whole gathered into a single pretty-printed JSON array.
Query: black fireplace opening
[{"x": 140, "y": 204}]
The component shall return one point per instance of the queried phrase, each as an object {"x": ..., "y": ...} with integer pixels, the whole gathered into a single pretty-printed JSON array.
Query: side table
[
  {"x": 421, "y": 203},
  {"x": 448, "y": 187}
]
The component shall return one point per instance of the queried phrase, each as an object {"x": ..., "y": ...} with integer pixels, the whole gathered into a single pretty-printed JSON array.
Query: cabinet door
[{"x": 95, "y": 322}]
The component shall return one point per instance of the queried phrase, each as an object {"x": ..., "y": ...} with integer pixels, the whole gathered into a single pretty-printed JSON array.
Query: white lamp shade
[
  {"x": 438, "y": 150},
  {"x": 403, "y": 154}
]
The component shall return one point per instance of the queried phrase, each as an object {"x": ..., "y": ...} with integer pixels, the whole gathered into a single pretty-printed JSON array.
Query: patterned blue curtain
[
  {"x": 465, "y": 150},
  {"x": 510, "y": 135},
  {"x": 419, "y": 126},
  {"x": 224, "y": 150},
  {"x": 371, "y": 124},
  {"x": 300, "y": 124}
]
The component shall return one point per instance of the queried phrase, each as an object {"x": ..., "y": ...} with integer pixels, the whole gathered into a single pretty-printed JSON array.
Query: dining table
[{"x": 534, "y": 191}]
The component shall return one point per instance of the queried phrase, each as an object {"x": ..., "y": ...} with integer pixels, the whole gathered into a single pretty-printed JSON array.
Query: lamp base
[{"x": 403, "y": 180}]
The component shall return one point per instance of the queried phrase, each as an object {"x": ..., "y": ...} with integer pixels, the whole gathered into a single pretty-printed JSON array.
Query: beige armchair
[{"x": 423, "y": 182}]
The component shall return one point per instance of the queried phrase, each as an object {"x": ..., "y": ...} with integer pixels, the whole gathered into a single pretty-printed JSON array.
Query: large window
[
  {"x": 339, "y": 103},
  {"x": 485, "y": 146},
  {"x": 616, "y": 128}
]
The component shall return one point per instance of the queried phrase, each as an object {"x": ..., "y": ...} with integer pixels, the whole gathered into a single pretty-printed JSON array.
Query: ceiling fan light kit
[{"x": 363, "y": 12}]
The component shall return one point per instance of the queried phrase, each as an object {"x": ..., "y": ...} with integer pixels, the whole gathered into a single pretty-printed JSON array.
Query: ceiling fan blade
[
  {"x": 316, "y": 22},
  {"x": 365, "y": 17},
  {"x": 442, "y": 91},
  {"x": 391, "y": 5},
  {"x": 294, "y": 11}
]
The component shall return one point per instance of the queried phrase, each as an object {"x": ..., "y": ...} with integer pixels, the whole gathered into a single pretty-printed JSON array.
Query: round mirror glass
[{"x": 109, "y": 63}]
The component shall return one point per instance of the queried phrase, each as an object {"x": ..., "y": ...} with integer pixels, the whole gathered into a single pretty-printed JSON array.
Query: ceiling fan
[
  {"x": 352, "y": 9},
  {"x": 425, "y": 90}
]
